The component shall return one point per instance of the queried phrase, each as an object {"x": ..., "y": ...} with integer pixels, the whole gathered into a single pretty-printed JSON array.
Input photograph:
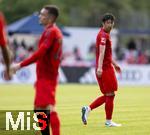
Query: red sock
[
  {"x": 99, "y": 101},
  {"x": 109, "y": 106},
  {"x": 55, "y": 123}
]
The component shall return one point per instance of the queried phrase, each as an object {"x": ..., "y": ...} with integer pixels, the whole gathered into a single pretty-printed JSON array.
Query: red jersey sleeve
[
  {"x": 2, "y": 31},
  {"x": 34, "y": 57},
  {"x": 49, "y": 38},
  {"x": 45, "y": 44},
  {"x": 103, "y": 39}
]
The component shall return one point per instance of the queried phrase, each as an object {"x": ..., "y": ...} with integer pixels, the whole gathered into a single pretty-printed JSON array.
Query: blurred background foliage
[{"x": 130, "y": 14}]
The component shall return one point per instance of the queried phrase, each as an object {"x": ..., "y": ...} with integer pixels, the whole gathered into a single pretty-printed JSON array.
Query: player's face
[
  {"x": 44, "y": 17},
  {"x": 108, "y": 25}
]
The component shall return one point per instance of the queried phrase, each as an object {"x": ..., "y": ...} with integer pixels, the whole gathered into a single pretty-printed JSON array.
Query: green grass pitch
[{"x": 132, "y": 109}]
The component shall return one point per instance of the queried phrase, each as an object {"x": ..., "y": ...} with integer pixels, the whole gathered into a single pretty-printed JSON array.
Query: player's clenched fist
[{"x": 99, "y": 72}]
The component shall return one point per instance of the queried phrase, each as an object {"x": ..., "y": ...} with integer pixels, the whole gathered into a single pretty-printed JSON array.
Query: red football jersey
[
  {"x": 47, "y": 66},
  {"x": 103, "y": 38},
  {"x": 48, "y": 55},
  {"x": 2, "y": 30}
]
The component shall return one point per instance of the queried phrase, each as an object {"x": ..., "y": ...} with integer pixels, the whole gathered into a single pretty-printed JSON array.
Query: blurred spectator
[
  {"x": 147, "y": 53},
  {"x": 77, "y": 54},
  {"x": 131, "y": 52},
  {"x": 142, "y": 59},
  {"x": 135, "y": 52},
  {"x": 30, "y": 50},
  {"x": 91, "y": 53},
  {"x": 131, "y": 45},
  {"x": 21, "y": 53},
  {"x": 120, "y": 53},
  {"x": 15, "y": 44},
  {"x": 20, "y": 49},
  {"x": 23, "y": 44}
]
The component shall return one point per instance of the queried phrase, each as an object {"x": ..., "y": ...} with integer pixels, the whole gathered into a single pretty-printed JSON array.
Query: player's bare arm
[
  {"x": 7, "y": 60},
  {"x": 100, "y": 60}
]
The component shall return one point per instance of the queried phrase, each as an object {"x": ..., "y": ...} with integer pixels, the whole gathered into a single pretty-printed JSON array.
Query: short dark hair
[
  {"x": 52, "y": 10},
  {"x": 108, "y": 16}
]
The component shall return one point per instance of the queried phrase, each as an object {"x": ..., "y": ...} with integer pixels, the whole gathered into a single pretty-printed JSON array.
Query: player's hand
[
  {"x": 117, "y": 68},
  {"x": 15, "y": 67},
  {"x": 99, "y": 72}
]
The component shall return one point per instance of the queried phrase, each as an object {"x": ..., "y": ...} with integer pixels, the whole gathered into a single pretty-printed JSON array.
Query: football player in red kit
[
  {"x": 105, "y": 73},
  {"x": 47, "y": 59}
]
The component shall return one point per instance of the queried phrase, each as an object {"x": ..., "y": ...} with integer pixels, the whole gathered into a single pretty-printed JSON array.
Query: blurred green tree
[{"x": 129, "y": 13}]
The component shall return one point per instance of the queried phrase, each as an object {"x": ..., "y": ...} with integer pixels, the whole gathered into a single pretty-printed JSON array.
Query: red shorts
[
  {"x": 108, "y": 81},
  {"x": 45, "y": 92}
]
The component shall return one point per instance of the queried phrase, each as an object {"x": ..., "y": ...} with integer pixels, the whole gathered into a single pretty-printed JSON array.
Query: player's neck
[
  {"x": 49, "y": 25},
  {"x": 105, "y": 30}
]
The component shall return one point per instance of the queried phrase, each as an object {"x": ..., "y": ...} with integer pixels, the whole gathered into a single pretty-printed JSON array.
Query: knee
[
  {"x": 52, "y": 108},
  {"x": 110, "y": 94}
]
